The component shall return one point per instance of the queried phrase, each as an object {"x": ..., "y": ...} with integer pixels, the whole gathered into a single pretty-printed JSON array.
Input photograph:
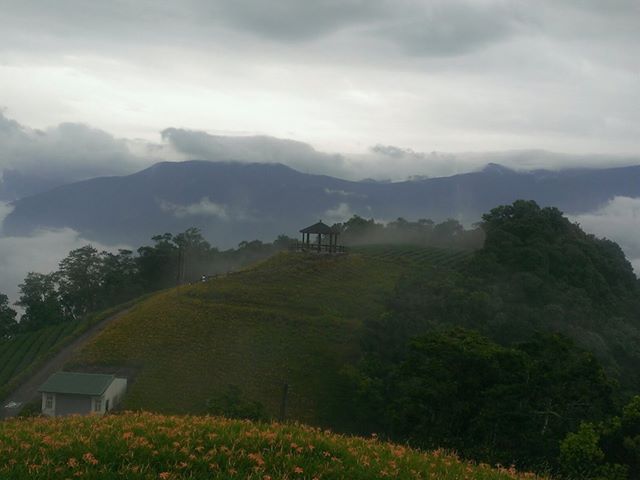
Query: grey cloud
[
  {"x": 35, "y": 159},
  {"x": 188, "y": 22},
  {"x": 432, "y": 28},
  {"x": 396, "y": 163},
  {"x": 295, "y": 20},
  {"x": 443, "y": 28},
  {"x": 298, "y": 155},
  {"x": 391, "y": 150},
  {"x": 390, "y": 161}
]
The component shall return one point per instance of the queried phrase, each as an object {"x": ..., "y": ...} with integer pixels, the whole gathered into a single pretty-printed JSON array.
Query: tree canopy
[{"x": 8, "y": 315}]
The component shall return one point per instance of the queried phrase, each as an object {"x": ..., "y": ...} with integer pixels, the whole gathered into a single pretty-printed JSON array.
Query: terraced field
[
  {"x": 415, "y": 256},
  {"x": 25, "y": 353},
  {"x": 20, "y": 352}
]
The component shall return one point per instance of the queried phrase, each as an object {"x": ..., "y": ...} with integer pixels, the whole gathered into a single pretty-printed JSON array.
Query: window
[
  {"x": 98, "y": 405},
  {"x": 48, "y": 401}
]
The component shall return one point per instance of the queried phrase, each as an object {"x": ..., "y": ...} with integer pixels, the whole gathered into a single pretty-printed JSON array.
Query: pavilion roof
[{"x": 320, "y": 227}]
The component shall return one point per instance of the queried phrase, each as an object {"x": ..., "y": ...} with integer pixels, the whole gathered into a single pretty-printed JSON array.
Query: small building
[
  {"x": 70, "y": 393},
  {"x": 326, "y": 240}
]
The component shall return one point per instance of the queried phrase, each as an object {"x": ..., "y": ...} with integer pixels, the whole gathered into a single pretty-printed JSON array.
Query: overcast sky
[{"x": 340, "y": 75}]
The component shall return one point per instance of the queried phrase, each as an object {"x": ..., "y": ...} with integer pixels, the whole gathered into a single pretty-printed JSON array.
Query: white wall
[
  {"x": 114, "y": 394},
  {"x": 51, "y": 412}
]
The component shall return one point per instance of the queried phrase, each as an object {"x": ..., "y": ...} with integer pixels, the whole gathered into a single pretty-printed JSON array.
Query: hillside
[
  {"x": 230, "y": 201},
  {"x": 143, "y": 446},
  {"x": 19, "y": 352},
  {"x": 294, "y": 319}
]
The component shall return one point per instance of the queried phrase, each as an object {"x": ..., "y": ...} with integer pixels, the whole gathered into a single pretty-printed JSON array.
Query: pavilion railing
[{"x": 318, "y": 248}]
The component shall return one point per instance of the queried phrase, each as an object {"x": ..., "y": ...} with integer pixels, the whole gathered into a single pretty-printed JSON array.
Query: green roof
[{"x": 77, "y": 383}]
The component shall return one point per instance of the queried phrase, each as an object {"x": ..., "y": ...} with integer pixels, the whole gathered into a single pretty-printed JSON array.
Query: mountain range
[{"x": 232, "y": 201}]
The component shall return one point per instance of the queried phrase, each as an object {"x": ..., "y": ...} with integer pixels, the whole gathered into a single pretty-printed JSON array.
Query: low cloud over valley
[
  {"x": 40, "y": 252},
  {"x": 618, "y": 220}
]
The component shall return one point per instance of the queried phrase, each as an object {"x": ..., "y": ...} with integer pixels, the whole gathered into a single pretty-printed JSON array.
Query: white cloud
[
  {"x": 204, "y": 208},
  {"x": 618, "y": 220},
  {"x": 340, "y": 213},
  {"x": 40, "y": 252},
  {"x": 5, "y": 209},
  {"x": 344, "y": 193}
]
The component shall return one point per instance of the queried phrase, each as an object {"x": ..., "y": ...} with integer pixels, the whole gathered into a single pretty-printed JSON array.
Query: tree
[
  {"x": 283, "y": 242},
  {"x": 158, "y": 264},
  {"x": 447, "y": 233},
  {"x": 457, "y": 389},
  {"x": 605, "y": 450},
  {"x": 80, "y": 280},
  {"x": 8, "y": 322},
  {"x": 120, "y": 277},
  {"x": 194, "y": 253},
  {"x": 40, "y": 299},
  {"x": 359, "y": 230}
]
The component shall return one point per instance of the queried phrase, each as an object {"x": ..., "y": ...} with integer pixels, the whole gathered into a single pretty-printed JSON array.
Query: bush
[{"x": 231, "y": 404}]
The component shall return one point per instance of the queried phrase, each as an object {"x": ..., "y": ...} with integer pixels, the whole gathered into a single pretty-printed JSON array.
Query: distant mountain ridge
[{"x": 232, "y": 201}]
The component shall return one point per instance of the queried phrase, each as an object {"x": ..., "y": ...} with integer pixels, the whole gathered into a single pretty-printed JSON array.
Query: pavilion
[{"x": 322, "y": 232}]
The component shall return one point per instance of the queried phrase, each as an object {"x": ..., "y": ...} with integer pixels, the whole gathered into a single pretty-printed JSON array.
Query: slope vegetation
[
  {"x": 294, "y": 319},
  {"x": 19, "y": 352},
  {"x": 142, "y": 446}
]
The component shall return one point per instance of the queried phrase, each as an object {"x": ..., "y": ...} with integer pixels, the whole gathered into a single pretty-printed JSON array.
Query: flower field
[{"x": 151, "y": 446}]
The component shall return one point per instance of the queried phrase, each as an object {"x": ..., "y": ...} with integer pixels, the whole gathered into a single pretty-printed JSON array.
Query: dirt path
[{"x": 28, "y": 391}]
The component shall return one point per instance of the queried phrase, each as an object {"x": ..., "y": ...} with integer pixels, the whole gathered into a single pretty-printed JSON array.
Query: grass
[
  {"x": 151, "y": 446},
  {"x": 294, "y": 319}
]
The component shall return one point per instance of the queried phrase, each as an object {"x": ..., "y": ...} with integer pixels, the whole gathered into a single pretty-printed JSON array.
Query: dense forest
[
  {"x": 520, "y": 356},
  {"x": 448, "y": 234}
]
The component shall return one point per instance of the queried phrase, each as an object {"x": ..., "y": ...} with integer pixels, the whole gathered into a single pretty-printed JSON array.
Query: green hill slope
[
  {"x": 17, "y": 353},
  {"x": 145, "y": 446},
  {"x": 294, "y": 319}
]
